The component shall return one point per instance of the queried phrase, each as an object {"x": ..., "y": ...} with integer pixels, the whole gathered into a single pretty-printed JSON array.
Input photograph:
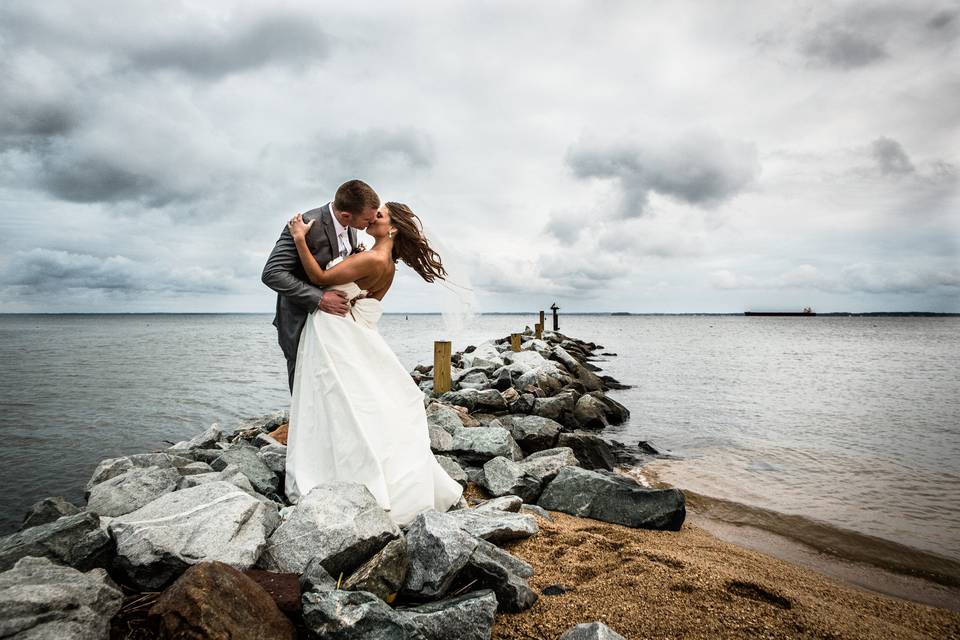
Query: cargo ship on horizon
[{"x": 807, "y": 311}]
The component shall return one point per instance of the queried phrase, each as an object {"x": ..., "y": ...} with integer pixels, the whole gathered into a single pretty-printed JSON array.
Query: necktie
[{"x": 342, "y": 243}]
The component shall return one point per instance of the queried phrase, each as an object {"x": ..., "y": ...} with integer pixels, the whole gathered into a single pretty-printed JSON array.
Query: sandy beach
[{"x": 691, "y": 584}]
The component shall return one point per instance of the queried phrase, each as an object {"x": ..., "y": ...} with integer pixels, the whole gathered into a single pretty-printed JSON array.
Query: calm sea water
[{"x": 849, "y": 422}]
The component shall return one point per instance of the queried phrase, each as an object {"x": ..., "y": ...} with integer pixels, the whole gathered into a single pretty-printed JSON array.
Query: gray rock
[
  {"x": 206, "y": 440},
  {"x": 382, "y": 575},
  {"x": 590, "y": 413},
  {"x": 48, "y": 510},
  {"x": 315, "y": 577},
  {"x": 616, "y": 413},
  {"x": 613, "y": 498},
  {"x": 466, "y": 617},
  {"x": 474, "y": 379},
  {"x": 440, "y": 439},
  {"x": 479, "y": 444},
  {"x": 441, "y": 415},
  {"x": 453, "y": 469},
  {"x": 496, "y": 526},
  {"x": 476, "y": 400},
  {"x": 524, "y": 404},
  {"x": 223, "y": 522},
  {"x": 592, "y": 451},
  {"x": 559, "y": 408},
  {"x": 591, "y": 631},
  {"x": 547, "y": 377},
  {"x": 262, "y": 477},
  {"x": 503, "y": 503},
  {"x": 527, "y": 359},
  {"x": 502, "y": 476},
  {"x": 503, "y": 380},
  {"x": 438, "y": 550},
  {"x": 586, "y": 377},
  {"x": 474, "y": 474},
  {"x": 540, "y": 346},
  {"x": 113, "y": 467},
  {"x": 231, "y": 473},
  {"x": 341, "y": 522},
  {"x": 77, "y": 541},
  {"x": 41, "y": 599},
  {"x": 486, "y": 356},
  {"x": 131, "y": 490},
  {"x": 355, "y": 615},
  {"x": 195, "y": 468},
  {"x": 275, "y": 457},
  {"x": 496, "y": 569},
  {"x": 264, "y": 424},
  {"x": 532, "y": 433},
  {"x": 536, "y": 510},
  {"x": 547, "y": 463}
]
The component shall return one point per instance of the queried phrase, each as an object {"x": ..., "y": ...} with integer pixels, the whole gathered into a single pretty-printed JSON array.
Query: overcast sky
[{"x": 606, "y": 155}]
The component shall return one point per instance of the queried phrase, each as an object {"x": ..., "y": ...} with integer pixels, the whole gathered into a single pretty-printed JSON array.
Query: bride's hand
[{"x": 299, "y": 228}]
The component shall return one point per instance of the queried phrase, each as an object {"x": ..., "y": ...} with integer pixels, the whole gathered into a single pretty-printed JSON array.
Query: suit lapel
[{"x": 326, "y": 219}]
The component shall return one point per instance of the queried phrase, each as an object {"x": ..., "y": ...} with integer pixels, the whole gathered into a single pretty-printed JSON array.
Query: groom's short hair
[{"x": 355, "y": 196}]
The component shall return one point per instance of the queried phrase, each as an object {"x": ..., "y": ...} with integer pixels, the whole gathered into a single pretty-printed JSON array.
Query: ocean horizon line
[{"x": 932, "y": 314}]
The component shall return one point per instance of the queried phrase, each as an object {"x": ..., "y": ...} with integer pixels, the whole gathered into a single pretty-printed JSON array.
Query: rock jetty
[{"x": 198, "y": 540}]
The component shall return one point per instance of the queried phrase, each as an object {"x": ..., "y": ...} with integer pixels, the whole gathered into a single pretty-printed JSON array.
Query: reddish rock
[
  {"x": 214, "y": 600},
  {"x": 284, "y": 588},
  {"x": 280, "y": 433}
]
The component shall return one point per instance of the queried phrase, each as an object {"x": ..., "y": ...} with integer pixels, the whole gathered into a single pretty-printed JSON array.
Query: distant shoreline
[{"x": 618, "y": 314}]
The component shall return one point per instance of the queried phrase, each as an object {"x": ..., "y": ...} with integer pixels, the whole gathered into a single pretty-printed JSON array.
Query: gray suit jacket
[{"x": 296, "y": 296}]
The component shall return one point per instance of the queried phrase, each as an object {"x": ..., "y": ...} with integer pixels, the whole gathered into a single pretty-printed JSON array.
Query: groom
[{"x": 354, "y": 207}]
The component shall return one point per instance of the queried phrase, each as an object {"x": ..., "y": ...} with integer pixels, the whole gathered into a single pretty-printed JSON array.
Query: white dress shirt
[{"x": 343, "y": 236}]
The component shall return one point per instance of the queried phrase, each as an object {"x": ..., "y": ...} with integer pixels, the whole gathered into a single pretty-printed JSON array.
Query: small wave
[{"x": 829, "y": 539}]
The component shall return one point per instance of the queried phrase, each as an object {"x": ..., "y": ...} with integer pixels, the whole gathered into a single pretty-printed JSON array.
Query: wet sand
[{"x": 691, "y": 584}]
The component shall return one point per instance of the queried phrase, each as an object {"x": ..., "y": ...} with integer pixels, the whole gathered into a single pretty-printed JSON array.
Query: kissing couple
[{"x": 355, "y": 413}]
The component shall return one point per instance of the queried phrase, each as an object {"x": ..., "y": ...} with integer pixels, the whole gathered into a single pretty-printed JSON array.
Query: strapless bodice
[{"x": 365, "y": 311}]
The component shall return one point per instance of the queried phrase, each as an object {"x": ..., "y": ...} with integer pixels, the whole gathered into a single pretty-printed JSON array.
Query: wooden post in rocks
[
  {"x": 441, "y": 367},
  {"x": 556, "y": 323},
  {"x": 538, "y": 329},
  {"x": 515, "y": 341}
]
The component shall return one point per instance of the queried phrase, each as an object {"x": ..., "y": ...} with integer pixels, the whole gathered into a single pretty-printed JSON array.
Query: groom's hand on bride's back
[{"x": 334, "y": 302}]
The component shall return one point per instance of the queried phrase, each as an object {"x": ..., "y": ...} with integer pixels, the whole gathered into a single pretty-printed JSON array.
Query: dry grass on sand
[{"x": 689, "y": 584}]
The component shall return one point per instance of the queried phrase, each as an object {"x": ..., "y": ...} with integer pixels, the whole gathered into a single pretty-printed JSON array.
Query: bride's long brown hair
[{"x": 411, "y": 246}]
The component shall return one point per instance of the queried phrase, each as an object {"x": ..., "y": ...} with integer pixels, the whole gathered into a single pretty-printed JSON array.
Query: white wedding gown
[{"x": 357, "y": 415}]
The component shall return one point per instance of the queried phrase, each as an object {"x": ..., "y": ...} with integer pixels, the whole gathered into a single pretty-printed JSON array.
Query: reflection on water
[{"x": 853, "y": 422}]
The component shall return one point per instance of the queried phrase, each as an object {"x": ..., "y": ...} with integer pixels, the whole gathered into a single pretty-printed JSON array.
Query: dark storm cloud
[
  {"x": 698, "y": 169},
  {"x": 838, "y": 46},
  {"x": 890, "y": 157},
  {"x": 214, "y": 50},
  {"x": 44, "y": 271},
  {"x": 942, "y": 20}
]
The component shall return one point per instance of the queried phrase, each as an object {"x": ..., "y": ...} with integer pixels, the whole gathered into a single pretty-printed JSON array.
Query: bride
[{"x": 356, "y": 413}]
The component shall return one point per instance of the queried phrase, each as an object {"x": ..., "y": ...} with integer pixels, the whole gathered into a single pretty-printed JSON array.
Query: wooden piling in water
[
  {"x": 538, "y": 329},
  {"x": 515, "y": 341},
  {"x": 441, "y": 366}
]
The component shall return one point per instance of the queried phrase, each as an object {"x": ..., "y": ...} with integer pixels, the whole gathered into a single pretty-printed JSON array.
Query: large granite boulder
[
  {"x": 547, "y": 377},
  {"x": 215, "y": 521},
  {"x": 438, "y": 549},
  {"x": 476, "y": 400},
  {"x": 613, "y": 498},
  {"x": 113, "y": 467},
  {"x": 473, "y": 379},
  {"x": 545, "y": 465},
  {"x": 616, "y": 413},
  {"x": 274, "y": 455},
  {"x": 494, "y": 568},
  {"x": 532, "y": 433},
  {"x": 479, "y": 444},
  {"x": 40, "y": 599},
  {"x": 131, "y": 490},
  {"x": 486, "y": 356},
  {"x": 262, "y": 424},
  {"x": 453, "y": 469},
  {"x": 592, "y": 451},
  {"x": 466, "y": 617},
  {"x": 206, "y": 440},
  {"x": 383, "y": 574},
  {"x": 494, "y": 525},
  {"x": 591, "y": 631},
  {"x": 443, "y": 416},
  {"x": 502, "y": 476},
  {"x": 355, "y": 615},
  {"x": 77, "y": 541},
  {"x": 440, "y": 439},
  {"x": 590, "y": 413},
  {"x": 559, "y": 408},
  {"x": 587, "y": 378},
  {"x": 341, "y": 522},
  {"x": 48, "y": 510},
  {"x": 214, "y": 600},
  {"x": 247, "y": 458}
]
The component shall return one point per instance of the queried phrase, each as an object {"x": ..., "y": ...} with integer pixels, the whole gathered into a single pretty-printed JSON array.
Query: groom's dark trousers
[{"x": 296, "y": 296}]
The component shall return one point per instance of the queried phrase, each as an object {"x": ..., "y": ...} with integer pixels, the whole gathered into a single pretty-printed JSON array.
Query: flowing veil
[{"x": 458, "y": 301}]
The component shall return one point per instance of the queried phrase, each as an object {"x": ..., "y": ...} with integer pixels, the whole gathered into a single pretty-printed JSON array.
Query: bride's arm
[{"x": 351, "y": 269}]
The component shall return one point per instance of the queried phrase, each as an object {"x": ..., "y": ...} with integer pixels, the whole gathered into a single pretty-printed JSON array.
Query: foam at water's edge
[{"x": 825, "y": 538}]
